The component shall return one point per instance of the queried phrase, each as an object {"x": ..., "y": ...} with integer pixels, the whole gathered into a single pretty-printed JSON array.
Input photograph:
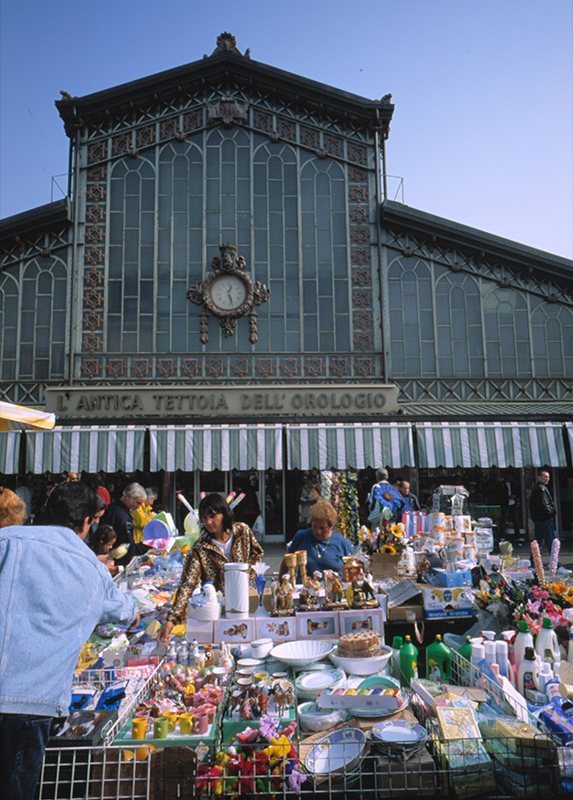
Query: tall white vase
[{"x": 236, "y": 590}]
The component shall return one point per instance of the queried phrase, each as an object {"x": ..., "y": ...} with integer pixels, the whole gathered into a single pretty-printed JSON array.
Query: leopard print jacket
[{"x": 206, "y": 562}]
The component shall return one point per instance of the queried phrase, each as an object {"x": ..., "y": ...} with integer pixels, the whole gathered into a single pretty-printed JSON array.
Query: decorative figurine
[
  {"x": 301, "y": 558},
  {"x": 333, "y": 591},
  {"x": 284, "y": 599},
  {"x": 363, "y": 594},
  {"x": 290, "y": 561}
]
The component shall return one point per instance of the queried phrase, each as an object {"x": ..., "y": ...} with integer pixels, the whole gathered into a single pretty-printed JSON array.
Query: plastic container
[
  {"x": 522, "y": 640},
  {"x": 545, "y": 676},
  {"x": 397, "y": 643},
  {"x": 502, "y": 657},
  {"x": 546, "y": 642},
  {"x": 528, "y": 672},
  {"x": 408, "y": 660},
  {"x": 438, "y": 660}
]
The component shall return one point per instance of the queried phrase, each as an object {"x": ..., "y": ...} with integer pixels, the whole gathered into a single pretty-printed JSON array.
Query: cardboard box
[
  {"x": 445, "y": 603},
  {"x": 461, "y": 577},
  {"x": 384, "y": 565},
  {"x": 420, "y": 777},
  {"x": 237, "y": 631},
  {"x": 409, "y": 612},
  {"x": 318, "y": 625},
  {"x": 279, "y": 629},
  {"x": 368, "y": 619},
  {"x": 201, "y": 631}
]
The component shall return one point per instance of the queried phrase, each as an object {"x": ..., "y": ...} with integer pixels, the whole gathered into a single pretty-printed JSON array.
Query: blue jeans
[
  {"x": 545, "y": 532},
  {"x": 23, "y": 739}
]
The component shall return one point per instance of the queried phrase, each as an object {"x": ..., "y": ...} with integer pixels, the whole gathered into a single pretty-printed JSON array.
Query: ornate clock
[{"x": 228, "y": 293}]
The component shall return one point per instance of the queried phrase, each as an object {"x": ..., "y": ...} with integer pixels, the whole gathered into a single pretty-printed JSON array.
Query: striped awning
[
  {"x": 85, "y": 448},
  {"x": 349, "y": 445},
  {"x": 569, "y": 428},
  {"x": 488, "y": 444},
  {"x": 19, "y": 418},
  {"x": 209, "y": 447},
  {"x": 10, "y": 452}
]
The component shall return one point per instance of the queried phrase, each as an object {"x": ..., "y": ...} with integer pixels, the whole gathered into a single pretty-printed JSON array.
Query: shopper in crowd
[
  {"x": 71, "y": 477},
  {"x": 53, "y": 592},
  {"x": 223, "y": 540},
  {"x": 118, "y": 515},
  {"x": 509, "y": 504},
  {"x": 24, "y": 493},
  {"x": 143, "y": 513},
  {"x": 102, "y": 541},
  {"x": 12, "y": 508},
  {"x": 411, "y": 502},
  {"x": 542, "y": 510},
  {"x": 381, "y": 485},
  {"x": 99, "y": 487},
  {"x": 325, "y": 548}
]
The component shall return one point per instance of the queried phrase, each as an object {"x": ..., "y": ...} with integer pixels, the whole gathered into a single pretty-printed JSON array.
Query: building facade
[{"x": 337, "y": 330}]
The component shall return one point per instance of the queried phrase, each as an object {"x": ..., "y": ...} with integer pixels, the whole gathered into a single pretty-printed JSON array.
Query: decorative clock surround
[{"x": 228, "y": 293}]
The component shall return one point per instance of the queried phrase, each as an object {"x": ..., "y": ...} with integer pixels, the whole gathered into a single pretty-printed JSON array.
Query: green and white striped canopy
[
  {"x": 486, "y": 444},
  {"x": 349, "y": 445},
  {"x": 86, "y": 448},
  {"x": 208, "y": 447},
  {"x": 10, "y": 452}
]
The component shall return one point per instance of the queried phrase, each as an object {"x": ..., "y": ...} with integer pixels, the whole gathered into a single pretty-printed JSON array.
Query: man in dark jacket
[{"x": 542, "y": 510}]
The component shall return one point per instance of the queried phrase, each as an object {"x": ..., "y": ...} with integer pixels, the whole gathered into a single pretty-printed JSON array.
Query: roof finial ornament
[{"x": 226, "y": 43}]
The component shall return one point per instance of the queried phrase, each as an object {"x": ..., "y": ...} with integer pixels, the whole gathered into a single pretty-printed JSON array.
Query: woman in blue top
[{"x": 324, "y": 547}]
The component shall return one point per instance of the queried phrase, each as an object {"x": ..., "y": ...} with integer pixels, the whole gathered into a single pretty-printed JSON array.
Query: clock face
[{"x": 228, "y": 292}]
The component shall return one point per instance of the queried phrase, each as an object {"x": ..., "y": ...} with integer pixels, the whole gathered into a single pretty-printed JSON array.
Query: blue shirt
[
  {"x": 321, "y": 555},
  {"x": 53, "y": 592}
]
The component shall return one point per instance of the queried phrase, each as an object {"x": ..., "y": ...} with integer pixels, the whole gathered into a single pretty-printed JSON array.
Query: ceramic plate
[
  {"x": 298, "y": 654},
  {"x": 399, "y": 732},
  {"x": 317, "y": 681},
  {"x": 339, "y": 751}
]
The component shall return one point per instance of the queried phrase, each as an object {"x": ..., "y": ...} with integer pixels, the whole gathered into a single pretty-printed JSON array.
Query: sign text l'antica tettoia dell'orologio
[{"x": 232, "y": 401}]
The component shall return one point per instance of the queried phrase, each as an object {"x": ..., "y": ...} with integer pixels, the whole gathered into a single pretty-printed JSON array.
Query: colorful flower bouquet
[{"x": 389, "y": 538}]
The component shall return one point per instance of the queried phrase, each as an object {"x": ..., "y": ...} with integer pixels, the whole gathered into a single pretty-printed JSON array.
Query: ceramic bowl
[
  {"x": 337, "y": 752},
  {"x": 314, "y": 719},
  {"x": 298, "y": 654},
  {"x": 260, "y": 648},
  {"x": 362, "y": 666}
]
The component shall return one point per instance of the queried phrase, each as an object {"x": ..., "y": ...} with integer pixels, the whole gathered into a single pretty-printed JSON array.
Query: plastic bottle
[
  {"x": 546, "y": 642},
  {"x": 545, "y": 675},
  {"x": 438, "y": 660},
  {"x": 397, "y": 643},
  {"x": 501, "y": 657},
  {"x": 466, "y": 649},
  {"x": 522, "y": 640},
  {"x": 408, "y": 660},
  {"x": 489, "y": 651},
  {"x": 528, "y": 672}
]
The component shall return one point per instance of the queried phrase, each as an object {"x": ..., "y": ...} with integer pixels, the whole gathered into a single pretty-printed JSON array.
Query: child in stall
[{"x": 102, "y": 542}]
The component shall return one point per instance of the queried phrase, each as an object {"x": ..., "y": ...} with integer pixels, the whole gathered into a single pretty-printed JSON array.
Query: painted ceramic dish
[
  {"x": 339, "y": 751},
  {"x": 399, "y": 732},
  {"x": 362, "y": 666}
]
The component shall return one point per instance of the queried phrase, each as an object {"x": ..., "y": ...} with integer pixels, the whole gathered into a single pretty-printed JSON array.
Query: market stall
[{"x": 310, "y": 691}]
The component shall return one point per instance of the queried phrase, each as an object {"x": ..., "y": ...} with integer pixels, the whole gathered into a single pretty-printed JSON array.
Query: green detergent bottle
[
  {"x": 408, "y": 660},
  {"x": 438, "y": 661},
  {"x": 465, "y": 661}
]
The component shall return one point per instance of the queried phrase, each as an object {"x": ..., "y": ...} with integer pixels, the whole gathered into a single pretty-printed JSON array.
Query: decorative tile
[
  {"x": 141, "y": 367},
  {"x": 94, "y": 235},
  {"x": 92, "y": 320},
  {"x": 263, "y": 122},
  {"x": 241, "y": 367},
  {"x": 216, "y": 367},
  {"x": 289, "y": 367},
  {"x": 192, "y": 121},
  {"x": 360, "y": 255},
  {"x": 314, "y": 367},
  {"x": 93, "y": 276},
  {"x": 191, "y": 367},
  {"x": 97, "y": 173},
  {"x": 364, "y": 366},
  {"x": 90, "y": 368},
  {"x": 361, "y": 277},
  {"x": 93, "y": 298},
  {"x": 94, "y": 255},
  {"x": 357, "y": 153},
  {"x": 97, "y": 192},
  {"x": 165, "y": 367},
  {"x": 145, "y": 136},
  {"x": 97, "y": 152},
  {"x": 309, "y": 138},
  {"x": 265, "y": 367},
  {"x": 361, "y": 298},
  {"x": 92, "y": 342},
  {"x": 95, "y": 213},
  {"x": 339, "y": 367},
  {"x": 116, "y": 367}
]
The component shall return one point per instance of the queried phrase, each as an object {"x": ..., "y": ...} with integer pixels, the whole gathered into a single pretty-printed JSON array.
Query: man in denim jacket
[{"x": 53, "y": 592}]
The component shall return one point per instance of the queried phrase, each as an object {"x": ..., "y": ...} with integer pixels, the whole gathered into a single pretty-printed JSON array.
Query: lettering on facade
[{"x": 233, "y": 401}]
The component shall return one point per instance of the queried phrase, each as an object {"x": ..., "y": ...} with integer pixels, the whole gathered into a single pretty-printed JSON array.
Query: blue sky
[{"x": 482, "y": 132}]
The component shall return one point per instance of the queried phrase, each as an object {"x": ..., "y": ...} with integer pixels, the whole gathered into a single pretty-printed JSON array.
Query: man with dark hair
[
  {"x": 53, "y": 592},
  {"x": 542, "y": 510}
]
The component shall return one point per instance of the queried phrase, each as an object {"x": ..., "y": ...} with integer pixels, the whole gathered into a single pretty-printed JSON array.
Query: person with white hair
[
  {"x": 118, "y": 515},
  {"x": 143, "y": 513}
]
